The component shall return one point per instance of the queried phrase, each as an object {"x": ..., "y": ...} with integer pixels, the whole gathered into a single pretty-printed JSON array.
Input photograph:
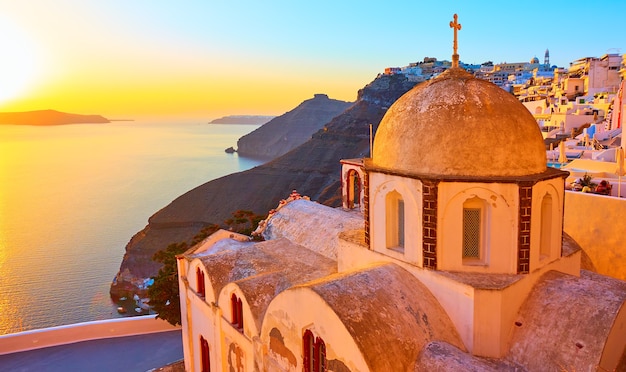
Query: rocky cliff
[
  {"x": 281, "y": 134},
  {"x": 49, "y": 117},
  {"x": 312, "y": 168}
]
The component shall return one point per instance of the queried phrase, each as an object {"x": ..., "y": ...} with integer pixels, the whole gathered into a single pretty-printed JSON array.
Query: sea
[{"x": 72, "y": 196}]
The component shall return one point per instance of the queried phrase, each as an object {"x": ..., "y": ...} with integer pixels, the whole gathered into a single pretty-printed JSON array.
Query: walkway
[{"x": 132, "y": 353}]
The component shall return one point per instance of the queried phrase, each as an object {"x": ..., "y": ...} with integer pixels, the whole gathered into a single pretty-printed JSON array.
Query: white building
[
  {"x": 591, "y": 75},
  {"x": 458, "y": 260}
]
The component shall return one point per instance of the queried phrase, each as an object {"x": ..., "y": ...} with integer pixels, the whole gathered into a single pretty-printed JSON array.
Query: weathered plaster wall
[
  {"x": 598, "y": 224},
  {"x": 237, "y": 349},
  {"x": 283, "y": 329}
]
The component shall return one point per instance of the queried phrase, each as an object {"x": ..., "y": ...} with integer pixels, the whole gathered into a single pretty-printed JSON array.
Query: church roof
[
  {"x": 388, "y": 312},
  {"x": 312, "y": 225},
  {"x": 440, "y": 356},
  {"x": 458, "y": 125},
  {"x": 264, "y": 269},
  {"x": 566, "y": 322}
]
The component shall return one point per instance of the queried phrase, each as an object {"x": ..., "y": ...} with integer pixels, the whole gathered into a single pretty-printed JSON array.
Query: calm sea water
[{"x": 72, "y": 196}]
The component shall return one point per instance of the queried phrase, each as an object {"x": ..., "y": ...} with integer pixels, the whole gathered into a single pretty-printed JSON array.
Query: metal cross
[{"x": 456, "y": 26}]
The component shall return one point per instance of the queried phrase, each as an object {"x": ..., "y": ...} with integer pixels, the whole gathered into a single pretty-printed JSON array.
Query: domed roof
[
  {"x": 458, "y": 125},
  {"x": 534, "y": 60}
]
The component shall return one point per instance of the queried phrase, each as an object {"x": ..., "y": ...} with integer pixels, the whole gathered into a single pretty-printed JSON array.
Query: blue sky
[{"x": 211, "y": 58}]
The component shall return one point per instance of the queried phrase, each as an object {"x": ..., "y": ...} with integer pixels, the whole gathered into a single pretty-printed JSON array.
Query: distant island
[
  {"x": 49, "y": 117},
  {"x": 243, "y": 119}
]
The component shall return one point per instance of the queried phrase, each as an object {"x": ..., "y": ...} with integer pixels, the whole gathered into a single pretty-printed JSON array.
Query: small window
[
  {"x": 313, "y": 353},
  {"x": 395, "y": 221},
  {"x": 200, "y": 282},
  {"x": 204, "y": 355},
  {"x": 474, "y": 231},
  {"x": 471, "y": 233},
  {"x": 236, "y": 307},
  {"x": 353, "y": 189},
  {"x": 546, "y": 226}
]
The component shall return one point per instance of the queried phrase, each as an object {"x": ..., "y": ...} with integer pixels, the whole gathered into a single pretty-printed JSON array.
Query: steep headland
[
  {"x": 242, "y": 119},
  {"x": 312, "y": 168},
  {"x": 291, "y": 129},
  {"x": 49, "y": 117}
]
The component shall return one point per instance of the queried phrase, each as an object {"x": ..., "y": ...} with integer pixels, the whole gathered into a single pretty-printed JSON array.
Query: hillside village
[{"x": 559, "y": 98}]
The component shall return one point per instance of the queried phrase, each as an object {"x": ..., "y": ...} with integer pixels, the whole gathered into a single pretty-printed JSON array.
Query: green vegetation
[{"x": 164, "y": 294}]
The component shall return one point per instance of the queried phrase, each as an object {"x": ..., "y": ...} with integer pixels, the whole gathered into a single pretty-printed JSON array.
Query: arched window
[
  {"x": 394, "y": 212},
  {"x": 314, "y": 353},
  {"x": 204, "y": 355},
  {"x": 354, "y": 189},
  {"x": 474, "y": 231},
  {"x": 236, "y": 307},
  {"x": 546, "y": 226},
  {"x": 200, "y": 282}
]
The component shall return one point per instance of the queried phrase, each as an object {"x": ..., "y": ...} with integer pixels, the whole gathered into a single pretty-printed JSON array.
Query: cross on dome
[{"x": 456, "y": 26}]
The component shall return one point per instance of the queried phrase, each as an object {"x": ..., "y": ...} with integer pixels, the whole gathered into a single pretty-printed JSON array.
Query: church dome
[
  {"x": 534, "y": 60},
  {"x": 458, "y": 125}
]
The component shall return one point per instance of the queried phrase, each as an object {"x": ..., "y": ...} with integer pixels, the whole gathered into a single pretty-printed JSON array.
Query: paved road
[{"x": 133, "y": 353}]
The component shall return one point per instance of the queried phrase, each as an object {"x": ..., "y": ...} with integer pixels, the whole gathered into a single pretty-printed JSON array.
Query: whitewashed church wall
[
  {"x": 598, "y": 224},
  {"x": 203, "y": 323},
  {"x": 498, "y": 310},
  {"x": 456, "y": 298},
  {"x": 500, "y": 245},
  {"x": 411, "y": 191},
  {"x": 554, "y": 188},
  {"x": 186, "y": 323},
  {"x": 209, "y": 292}
]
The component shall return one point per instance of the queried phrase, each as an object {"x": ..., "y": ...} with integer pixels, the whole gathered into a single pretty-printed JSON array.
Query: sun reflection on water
[{"x": 72, "y": 196}]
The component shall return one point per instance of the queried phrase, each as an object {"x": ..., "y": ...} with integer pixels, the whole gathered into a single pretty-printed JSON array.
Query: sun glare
[{"x": 19, "y": 63}]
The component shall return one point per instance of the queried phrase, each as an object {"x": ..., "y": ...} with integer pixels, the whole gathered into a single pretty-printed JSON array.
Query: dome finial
[{"x": 456, "y": 26}]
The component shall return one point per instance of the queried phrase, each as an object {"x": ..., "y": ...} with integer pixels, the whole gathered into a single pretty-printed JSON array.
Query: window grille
[{"x": 471, "y": 233}]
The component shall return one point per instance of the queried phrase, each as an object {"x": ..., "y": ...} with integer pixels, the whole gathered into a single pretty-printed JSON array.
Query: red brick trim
[
  {"x": 429, "y": 223},
  {"x": 523, "y": 231},
  {"x": 366, "y": 207}
]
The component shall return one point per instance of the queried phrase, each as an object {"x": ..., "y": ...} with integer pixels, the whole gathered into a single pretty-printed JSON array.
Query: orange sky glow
[{"x": 204, "y": 59}]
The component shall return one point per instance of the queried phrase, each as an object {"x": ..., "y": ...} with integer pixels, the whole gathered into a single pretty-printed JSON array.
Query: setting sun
[{"x": 19, "y": 65}]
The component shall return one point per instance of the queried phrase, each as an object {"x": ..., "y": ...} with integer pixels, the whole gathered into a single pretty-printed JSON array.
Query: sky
[{"x": 203, "y": 59}]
